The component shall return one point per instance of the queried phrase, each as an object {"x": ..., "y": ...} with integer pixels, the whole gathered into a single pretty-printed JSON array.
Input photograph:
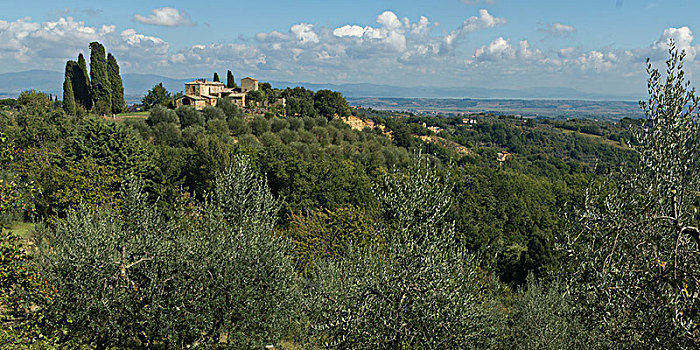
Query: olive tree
[
  {"x": 542, "y": 317},
  {"x": 634, "y": 251},
  {"x": 419, "y": 289},
  {"x": 214, "y": 275}
]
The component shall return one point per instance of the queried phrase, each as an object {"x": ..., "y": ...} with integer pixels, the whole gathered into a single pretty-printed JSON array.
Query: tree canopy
[
  {"x": 158, "y": 95},
  {"x": 116, "y": 85},
  {"x": 100, "y": 85}
]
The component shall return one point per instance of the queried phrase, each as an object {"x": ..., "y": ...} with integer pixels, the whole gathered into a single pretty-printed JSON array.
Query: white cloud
[
  {"x": 483, "y": 21},
  {"x": 389, "y": 20},
  {"x": 528, "y": 54},
  {"x": 50, "y": 44},
  {"x": 304, "y": 33},
  {"x": 682, "y": 37},
  {"x": 498, "y": 49},
  {"x": 557, "y": 29},
  {"x": 597, "y": 60},
  {"x": 165, "y": 16},
  {"x": 501, "y": 50},
  {"x": 348, "y": 30}
]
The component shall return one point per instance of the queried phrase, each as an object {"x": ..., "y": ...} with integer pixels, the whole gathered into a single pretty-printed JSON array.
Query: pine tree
[
  {"x": 99, "y": 79},
  {"x": 216, "y": 76},
  {"x": 68, "y": 95},
  {"x": 81, "y": 83},
  {"x": 230, "y": 81},
  {"x": 116, "y": 83}
]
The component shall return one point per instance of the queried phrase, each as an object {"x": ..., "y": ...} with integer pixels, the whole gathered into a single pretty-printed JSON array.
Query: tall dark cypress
[
  {"x": 81, "y": 84},
  {"x": 216, "y": 76},
  {"x": 115, "y": 81},
  {"x": 230, "y": 81},
  {"x": 68, "y": 95},
  {"x": 99, "y": 79}
]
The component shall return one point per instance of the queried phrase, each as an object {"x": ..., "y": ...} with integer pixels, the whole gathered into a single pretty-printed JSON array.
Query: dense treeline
[{"x": 218, "y": 228}]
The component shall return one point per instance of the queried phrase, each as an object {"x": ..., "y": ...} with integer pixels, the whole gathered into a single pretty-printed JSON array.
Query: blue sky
[{"x": 594, "y": 46}]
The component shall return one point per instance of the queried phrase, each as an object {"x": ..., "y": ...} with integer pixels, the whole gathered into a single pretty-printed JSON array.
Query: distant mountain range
[{"x": 136, "y": 85}]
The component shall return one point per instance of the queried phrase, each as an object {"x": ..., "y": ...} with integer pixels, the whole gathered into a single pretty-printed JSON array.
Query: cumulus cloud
[
  {"x": 683, "y": 39},
  {"x": 501, "y": 50},
  {"x": 165, "y": 16},
  {"x": 392, "y": 34},
  {"x": 304, "y": 33},
  {"x": 472, "y": 24},
  {"x": 556, "y": 29},
  {"x": 349, "y": 30},
  {"x": 498, "y": 49},
  {"x": 50, "y": 44},
  {"x": 597, "y": 60}
]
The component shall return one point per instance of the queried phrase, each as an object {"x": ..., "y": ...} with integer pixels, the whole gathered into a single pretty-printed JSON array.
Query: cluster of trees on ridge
[
  {"x": 217, "y": 229},
  {"x": 102, "y": 91},
  {"x": 300, "y": 102}
]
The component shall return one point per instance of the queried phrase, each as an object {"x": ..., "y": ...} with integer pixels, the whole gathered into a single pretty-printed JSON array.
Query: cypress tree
[
  {"x": 81, "y": 83},
  {"x": 216, "y": 76},
  {"x": 99, "y": 79},
  {"x": 230, "y": 81},
  {"x": 115, "y": 81},
  {"x": 68, "y": 96}
]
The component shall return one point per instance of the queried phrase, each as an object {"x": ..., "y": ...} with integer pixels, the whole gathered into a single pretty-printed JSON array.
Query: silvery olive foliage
[
  {"x": 420, "y": 290},
  {"x": 635, "y": 263},
  {"x": 214, "y": 276},
  {"x": 542, "y": 317}
]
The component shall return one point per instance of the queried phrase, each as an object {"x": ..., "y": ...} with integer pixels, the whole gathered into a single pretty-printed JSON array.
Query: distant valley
[{"x": 526, "y": 108}]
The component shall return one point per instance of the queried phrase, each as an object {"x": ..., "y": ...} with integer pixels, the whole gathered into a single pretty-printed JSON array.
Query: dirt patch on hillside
[{"x": 359, "y": 124}]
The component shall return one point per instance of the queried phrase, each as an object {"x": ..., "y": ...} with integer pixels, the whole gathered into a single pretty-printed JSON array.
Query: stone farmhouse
[
  {"x": 202, "y": 93},
  {"x": 249, "y": 84}
]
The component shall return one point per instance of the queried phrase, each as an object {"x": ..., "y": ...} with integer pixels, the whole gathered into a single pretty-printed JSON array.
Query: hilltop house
[
  {"x": 249, "y": 84},
  {"x": 202, "y": 93}
]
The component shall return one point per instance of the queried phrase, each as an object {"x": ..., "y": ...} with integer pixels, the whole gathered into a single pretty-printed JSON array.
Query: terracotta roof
[{"x": 249, "y": 78}]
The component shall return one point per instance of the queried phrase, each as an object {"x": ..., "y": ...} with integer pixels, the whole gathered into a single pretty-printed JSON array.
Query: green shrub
[
  {"x": 260, "y": 125},
  {"x": 189, "y": 116},
  {"x": 160, "y": 114}
]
